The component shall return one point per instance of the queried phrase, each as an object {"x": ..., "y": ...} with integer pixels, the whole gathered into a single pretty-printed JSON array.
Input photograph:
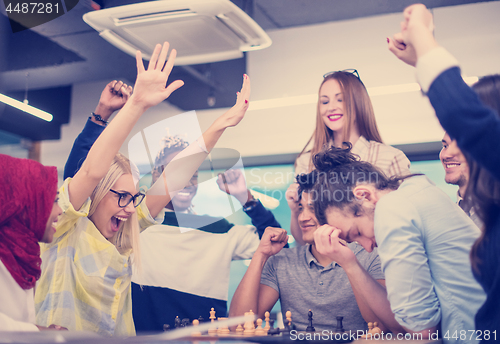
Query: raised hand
[
  {"x": 416, "y": 36},
  {"x": 234, "y": 115},
  {"x": 150, "y": 87},
  {"x": 416, "y": 18},
  {"x": 113, "y": 97},
  {"x": 272, "y": 241},
  {"x": 292, "y": 197},
  {"x": 328, "y": 243},
  {"x": 233, "y": 183}
]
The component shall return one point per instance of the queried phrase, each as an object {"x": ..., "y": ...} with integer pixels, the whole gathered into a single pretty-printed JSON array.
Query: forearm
[
  {"x": 464, "y": 117},
  {"x": 81, "y": 147},
  {"x": 261, "y": 218},
  {"x": 109, "y": 142},
  {"x": 104, "y": 111},
  {"x": 372, "y": 298},
  {"x": 246, "y": 296}
]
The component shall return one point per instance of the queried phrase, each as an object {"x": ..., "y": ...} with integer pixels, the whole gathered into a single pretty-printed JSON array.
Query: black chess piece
[
  {"x": 185, "y": 322},
  {"x": 272, "y": 331},
  {"x": 200, "y": 319},
  {"x": 177, "y": 322},
  {"x": 310, "y": 327},
  {"x": 166, "y": 327},
  {"x": 286, "y": 330},
  {"x": 339, "y": 327}
]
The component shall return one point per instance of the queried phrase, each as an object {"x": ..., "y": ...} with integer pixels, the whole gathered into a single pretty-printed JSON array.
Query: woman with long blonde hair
[
  {"x": 345, "y": 114},
  {"x": 86, "y": 271}
]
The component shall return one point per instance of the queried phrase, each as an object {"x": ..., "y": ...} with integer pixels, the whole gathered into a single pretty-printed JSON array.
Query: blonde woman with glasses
[
  {"x": 86, "y": 271},
  {"x": 345, "y": 114}
]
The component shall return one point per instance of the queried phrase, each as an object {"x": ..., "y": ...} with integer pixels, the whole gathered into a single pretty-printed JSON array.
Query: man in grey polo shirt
[{"x": 302, "y": 279}]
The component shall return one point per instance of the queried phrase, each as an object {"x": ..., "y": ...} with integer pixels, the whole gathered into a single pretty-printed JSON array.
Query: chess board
[{"x": 298, "y": 336}]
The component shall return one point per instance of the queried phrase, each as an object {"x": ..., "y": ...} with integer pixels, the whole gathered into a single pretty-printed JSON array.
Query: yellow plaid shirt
[{"x": 85, "y": 281}]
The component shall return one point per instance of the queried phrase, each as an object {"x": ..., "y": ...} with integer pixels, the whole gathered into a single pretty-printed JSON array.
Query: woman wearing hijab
[{"x": 28, "y": 214}]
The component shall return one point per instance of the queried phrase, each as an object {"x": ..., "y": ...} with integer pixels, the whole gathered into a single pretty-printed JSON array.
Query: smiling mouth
[
  {"x": 451, "y": 165},
  {"x": 184, "y": 194},
  {"x": 307, "y": 227},
  {"x": 334, "y": 117},
  {"x": 115, "y": 222}
]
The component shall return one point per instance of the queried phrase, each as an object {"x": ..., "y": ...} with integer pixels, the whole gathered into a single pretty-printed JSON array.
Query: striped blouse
[{"x": 390, "y": 160}]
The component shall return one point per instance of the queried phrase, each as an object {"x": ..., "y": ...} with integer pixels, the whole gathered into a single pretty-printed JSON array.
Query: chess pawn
[
  {"x": 288, "y": 316},
  {"x": 196, "y": 322},
  {"x": 376, "y": 329},
  {"x": 288, "y": 322},
  {"x": 259, "y": 330},
  {"x": 239, "y": 330},
  {"x": 267, "y": 317},
  {"x": 369, "y": 333}
]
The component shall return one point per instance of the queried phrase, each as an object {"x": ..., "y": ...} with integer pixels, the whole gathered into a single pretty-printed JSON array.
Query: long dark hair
[
  {"x": 338, "y": 172},
  {"x": 483, "y": 190}
]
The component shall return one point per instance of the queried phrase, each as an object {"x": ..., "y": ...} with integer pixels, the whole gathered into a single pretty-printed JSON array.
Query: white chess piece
[{"x": 196, "y": 322}]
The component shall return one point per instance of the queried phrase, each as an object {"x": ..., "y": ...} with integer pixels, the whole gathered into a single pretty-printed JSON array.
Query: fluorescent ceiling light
[
  {"x": 313, "y": 98},
  {"x": 26, "y": 108}
]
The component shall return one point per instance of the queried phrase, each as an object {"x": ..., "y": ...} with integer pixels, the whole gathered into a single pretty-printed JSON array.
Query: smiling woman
[
  {"x": 345, "y": 114},
  {"x": 27, "y": 216}
]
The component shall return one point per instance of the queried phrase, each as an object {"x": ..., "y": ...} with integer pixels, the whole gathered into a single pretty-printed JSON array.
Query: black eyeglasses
[
  {"x": 350, "y": 70},
  {"x": 124, "y": 198}
]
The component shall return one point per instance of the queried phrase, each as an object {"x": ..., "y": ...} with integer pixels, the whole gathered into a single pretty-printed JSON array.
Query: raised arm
[
  {"x": 113, "y": 97},
  {"x": 370, "y": 294},
  {"x": 292, "y": 198},
  {"x": 149, "y": 91},
  {"x": 180, "y": 170},
  {"x": 457, "y": 106},
  {"x": 233, "y": 183},
  {"x": 251, "y": 294}
]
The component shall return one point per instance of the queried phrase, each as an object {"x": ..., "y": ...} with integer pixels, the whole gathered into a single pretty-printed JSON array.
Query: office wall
[{"x": 294, "y": 65}]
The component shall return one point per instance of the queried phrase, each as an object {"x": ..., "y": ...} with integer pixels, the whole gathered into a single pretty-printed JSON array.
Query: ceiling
[{"x": 66, "y": 50}]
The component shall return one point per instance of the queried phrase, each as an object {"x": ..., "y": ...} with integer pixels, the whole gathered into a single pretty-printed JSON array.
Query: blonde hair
[
  {"x": 357, "y": 104},
  {"x": 127, "y": 237}
]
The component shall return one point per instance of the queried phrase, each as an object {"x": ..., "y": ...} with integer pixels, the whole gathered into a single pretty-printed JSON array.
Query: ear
[{"x": 364, "y": 192}]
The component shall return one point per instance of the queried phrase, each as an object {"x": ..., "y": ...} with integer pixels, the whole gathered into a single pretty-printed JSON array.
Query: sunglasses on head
[{"x": 350, "y": 70}]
